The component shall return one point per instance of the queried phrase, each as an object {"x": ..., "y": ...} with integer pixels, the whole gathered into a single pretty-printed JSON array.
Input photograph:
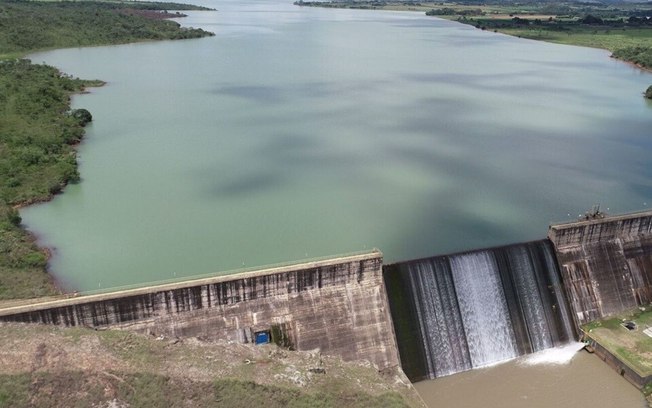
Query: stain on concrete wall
[
  {"x": 606, "y": 264},
  {"x": 338, "y": 305}
]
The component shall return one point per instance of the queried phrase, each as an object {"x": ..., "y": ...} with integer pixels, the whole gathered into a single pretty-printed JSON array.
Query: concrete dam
[
  {"x": 456, "y": 312},
  {"x": 337, "y": 305},
  {"x": 434, "y": 317},
  {"x": 606, "y": 264}
]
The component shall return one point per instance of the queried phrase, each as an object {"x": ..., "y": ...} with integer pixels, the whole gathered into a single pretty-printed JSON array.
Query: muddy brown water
[{"x": 586, "y": 381}]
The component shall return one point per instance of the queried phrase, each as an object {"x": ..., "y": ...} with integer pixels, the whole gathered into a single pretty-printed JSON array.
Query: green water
[{"x": 301, "y": 132}]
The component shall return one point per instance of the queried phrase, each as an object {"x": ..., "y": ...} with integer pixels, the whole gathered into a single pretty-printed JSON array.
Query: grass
[
  {"x": 647, "y": 389},
  {"x": 79, "y": 389},
  {"x": 245, "y": 394},
  {"x": 14, "y": 390},
  {"x": 633, "y": 347},
  {"x": 151, "y": 390},
  {"x": 75, "y": 367},
  {"x": 38, "y": 132},
  {"x": 134, "y": 348},
  {"x": 614, "y": 40}
]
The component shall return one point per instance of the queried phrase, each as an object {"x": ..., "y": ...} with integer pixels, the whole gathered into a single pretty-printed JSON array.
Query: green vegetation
[
  {"x": 647, "y": 391},
  {"x": 648, "y": 92},
  {"x": 622, "y": 28},
  {"x": 38, "y": 131},
  {"x": 627, "y": 38},
  {"x": 37, "y": 159},
  {"x": 245, "y": 394},
  {"x": 638, "y": 55},
  {"x": 155, "y": 390},
  {"x": 632, "y": 346},
  {"x": 47, "y": 366},
  {"x": 29, "y": 26}
]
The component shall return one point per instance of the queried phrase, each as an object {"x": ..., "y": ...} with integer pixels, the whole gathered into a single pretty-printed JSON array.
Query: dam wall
[
  {"x": 457, "y": 312},
  {"x": 606, "y": 263},
  {"x": 337, "y": 305},
  {"x": 436, "y": 316}
]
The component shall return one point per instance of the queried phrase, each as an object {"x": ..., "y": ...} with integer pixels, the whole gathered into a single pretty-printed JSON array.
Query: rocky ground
[{"x": 44, "y": 366}]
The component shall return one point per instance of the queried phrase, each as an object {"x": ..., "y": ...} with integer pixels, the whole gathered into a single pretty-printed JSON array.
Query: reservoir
[{"x": 301, "y": 132}]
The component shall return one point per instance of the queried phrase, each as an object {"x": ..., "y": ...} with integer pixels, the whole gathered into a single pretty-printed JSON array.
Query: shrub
[
  {"x": 83, "y": 116},
  {"x": 55, "y": 188},
  {"x": 638, "y": 55},
  {"x": 7, "y": 213},
  {"x": 648, "y": 92},
  {"x": 14, "y": 217},
  {"x": 592, "y": 20},
  {"x": 35, "y": 259}
]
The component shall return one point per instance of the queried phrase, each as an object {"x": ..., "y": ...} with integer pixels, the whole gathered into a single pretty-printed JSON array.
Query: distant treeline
[
  {"x": 625, "y": 28},
  {"x": 562, "y": 24},
  {"x": 586, "y": 30},
  {"x": 447, "y": 11},
  {"x": 342, "y": 4}
]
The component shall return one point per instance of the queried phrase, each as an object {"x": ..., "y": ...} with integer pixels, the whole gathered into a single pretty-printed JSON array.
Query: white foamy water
[
  {"x": 483, "y": 306},
  {"x": 555, "y": 355}
]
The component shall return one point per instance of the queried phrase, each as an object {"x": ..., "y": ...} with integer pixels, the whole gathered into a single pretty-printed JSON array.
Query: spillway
[{"x": 456, "y": 312}]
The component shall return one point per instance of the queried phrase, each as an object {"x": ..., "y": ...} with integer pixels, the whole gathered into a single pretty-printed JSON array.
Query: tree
[
  {"x": 592, "y": 20},
  {"x": 648, "y": 93},
  {"x": 83, "y": 116}
]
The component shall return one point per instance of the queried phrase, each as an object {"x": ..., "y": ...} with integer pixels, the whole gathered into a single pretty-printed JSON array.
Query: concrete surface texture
[
  {"x": 606, "y": 263},
  {"x": 338, "y": 306}
]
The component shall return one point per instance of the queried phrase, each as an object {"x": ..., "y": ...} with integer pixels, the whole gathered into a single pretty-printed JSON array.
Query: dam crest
[{"x": 431, "y": 317}]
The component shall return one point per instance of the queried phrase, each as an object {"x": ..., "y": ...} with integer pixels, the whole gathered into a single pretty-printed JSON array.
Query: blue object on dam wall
[{"x": 262, "y": 337}]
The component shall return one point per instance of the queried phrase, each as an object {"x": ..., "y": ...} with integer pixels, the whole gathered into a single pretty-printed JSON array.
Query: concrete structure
[
  {"x": 340, "y": 305},
  {"x": 455, "y": 312},
  {"x": 606, "y": 263},
  {"x": 337, "y": 305},
  {"x": 620, "y": 366}
]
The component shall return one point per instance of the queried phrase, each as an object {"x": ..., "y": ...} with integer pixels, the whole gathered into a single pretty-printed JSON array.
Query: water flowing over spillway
[{"x": 457, "y": 312}]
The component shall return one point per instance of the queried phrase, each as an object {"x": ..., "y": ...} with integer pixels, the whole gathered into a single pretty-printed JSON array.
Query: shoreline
[
  {"x": 38, "y": 200},
  {"x": 26, "y": 272},
  {"x": 497, "y": 31},
  {"x": 631, "y": 63},
  {"x": 458, "y": 18},
  {"x": 33, "y": 237}
]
